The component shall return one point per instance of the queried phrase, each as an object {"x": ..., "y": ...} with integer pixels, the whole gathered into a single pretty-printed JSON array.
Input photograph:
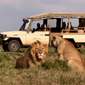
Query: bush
[
  {"x": 58, "y": 64},
  {"x": 47, "y": 65},
  {"x": 61, "y": 65}
]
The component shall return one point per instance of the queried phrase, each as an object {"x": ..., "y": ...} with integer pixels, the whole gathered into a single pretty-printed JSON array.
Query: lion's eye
[
  {"x": 42, "y": 48},
  {"x": 36, "y": 48}
]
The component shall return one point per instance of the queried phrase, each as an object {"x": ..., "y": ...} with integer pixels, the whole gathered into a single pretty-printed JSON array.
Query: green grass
[{"x": 52, "y": 72}]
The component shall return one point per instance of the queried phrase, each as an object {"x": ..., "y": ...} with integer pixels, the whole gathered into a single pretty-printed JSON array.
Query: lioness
[
  {"x": 66, "y": 51},
  {"x": 35, "y": 54}
]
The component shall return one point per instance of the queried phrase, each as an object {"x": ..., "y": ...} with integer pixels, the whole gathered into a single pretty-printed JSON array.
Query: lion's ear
[
  {"x": 33, "y": 45},
  {"x": 53, "y": 37},
  {"x": 38, "y": 42}
]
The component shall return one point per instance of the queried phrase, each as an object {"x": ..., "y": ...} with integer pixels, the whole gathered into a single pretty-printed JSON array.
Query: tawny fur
[
  {"x": 35, "y": 54},
  {"x": 66, "y": 51}
]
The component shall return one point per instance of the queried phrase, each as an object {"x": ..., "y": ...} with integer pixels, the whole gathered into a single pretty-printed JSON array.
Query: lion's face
[
  {"x": 40, "y": 50},
  {"x": 54, "y": 41}
]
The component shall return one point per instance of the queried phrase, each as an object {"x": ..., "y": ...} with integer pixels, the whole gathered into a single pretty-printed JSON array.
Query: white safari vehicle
[{"x": 52, "y": 24}]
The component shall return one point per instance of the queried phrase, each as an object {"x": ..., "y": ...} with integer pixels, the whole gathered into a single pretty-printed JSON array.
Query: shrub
[
  {"x": 47, "y": 65},
  {"x": 58, "y": 64},
  {"x": 61, "y": 65}
]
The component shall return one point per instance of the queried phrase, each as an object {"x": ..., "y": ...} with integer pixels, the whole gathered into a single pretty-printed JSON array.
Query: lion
[
  {"x": 67, "y": 51},
  {"x": 35, "y": 55}
]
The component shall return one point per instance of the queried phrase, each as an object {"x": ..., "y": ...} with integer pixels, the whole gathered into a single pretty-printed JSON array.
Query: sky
[{"x": 13, "y": 11}]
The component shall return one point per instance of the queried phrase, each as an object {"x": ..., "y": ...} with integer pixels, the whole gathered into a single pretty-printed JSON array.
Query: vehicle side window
[{"x": 38, "y": 26}]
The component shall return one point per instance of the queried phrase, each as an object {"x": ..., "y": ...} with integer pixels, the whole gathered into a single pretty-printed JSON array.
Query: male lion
[
  {"x": 35, "y": 54},
  {"x": 66, "y": 51}
]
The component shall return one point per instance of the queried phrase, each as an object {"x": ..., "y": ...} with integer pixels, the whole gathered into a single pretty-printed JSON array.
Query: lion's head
[
  {"x": 56, "y": 40},
  {"x": 39, "y": 50}
]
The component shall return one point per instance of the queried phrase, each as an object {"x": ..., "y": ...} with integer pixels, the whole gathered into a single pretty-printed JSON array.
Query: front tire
[{"x": 14, "y": 46}]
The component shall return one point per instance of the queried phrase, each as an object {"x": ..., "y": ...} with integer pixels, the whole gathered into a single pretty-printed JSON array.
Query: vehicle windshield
[{"x": 25, "y": 25}]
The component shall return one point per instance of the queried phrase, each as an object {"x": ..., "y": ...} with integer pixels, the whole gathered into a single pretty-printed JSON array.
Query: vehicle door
[{"x": 37, "y": 35}]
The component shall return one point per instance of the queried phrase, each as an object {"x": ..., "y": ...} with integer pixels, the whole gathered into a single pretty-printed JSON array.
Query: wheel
[
  {"x": 5, "y": 47},
  {"x": 14, "y": 46}
]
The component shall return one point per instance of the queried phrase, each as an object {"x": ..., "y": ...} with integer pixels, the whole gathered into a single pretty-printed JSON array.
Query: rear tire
[{"x": 14, "y": 46}]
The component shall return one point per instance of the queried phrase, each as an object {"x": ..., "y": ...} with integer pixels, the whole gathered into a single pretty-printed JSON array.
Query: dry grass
[{"x": 52, "y": 72}]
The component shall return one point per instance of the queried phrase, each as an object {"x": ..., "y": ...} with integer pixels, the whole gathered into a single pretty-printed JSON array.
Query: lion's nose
[{"x": 40, "y": 52}]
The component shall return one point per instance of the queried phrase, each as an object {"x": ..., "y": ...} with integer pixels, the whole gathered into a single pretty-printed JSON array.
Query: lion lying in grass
[
  {"x": 35, "y": 54},
  {"x": 66, "y": 51}
]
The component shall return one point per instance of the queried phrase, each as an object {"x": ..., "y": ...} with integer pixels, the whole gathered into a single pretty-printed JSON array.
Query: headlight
[{"x": 2, "y": 36}]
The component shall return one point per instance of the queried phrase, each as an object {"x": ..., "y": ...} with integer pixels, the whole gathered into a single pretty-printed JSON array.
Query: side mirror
[
  {"x": 25, "y": 20},
  {"x": 33, "y": 30}
]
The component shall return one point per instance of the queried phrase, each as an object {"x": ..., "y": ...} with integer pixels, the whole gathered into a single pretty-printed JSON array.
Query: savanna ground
[{"x": 52, "y": 72}]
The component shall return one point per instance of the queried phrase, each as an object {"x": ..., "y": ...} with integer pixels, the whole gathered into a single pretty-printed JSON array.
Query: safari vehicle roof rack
[{"x": 57, "y": 15}]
